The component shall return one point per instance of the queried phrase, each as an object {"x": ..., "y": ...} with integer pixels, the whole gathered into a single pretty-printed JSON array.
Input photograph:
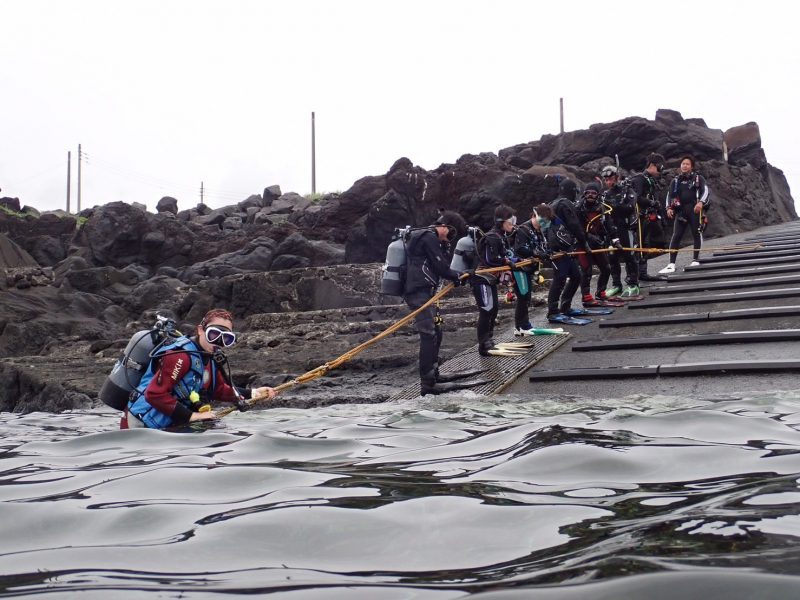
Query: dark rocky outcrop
[
  {"x": 301, "y": 275},
  {"x": 752, "y": 192}
]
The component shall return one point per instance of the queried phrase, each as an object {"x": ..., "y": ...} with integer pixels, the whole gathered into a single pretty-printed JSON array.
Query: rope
[
  {"x": 330, "y": 365},
  {"x": 324, "y": 369}
]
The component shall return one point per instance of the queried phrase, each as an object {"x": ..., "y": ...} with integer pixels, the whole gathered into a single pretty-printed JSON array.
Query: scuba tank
[
  {"x": 393, "y": 277},
  {"x": 133, "y": 362},
  {"x": 465, "y": 256}
]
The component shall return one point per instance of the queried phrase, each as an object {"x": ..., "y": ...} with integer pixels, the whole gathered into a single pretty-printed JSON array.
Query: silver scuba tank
[
  {"x": 465, "y": 256},
  {"x": 133, "y": 362},
  {"x": 393, "y": 276}
]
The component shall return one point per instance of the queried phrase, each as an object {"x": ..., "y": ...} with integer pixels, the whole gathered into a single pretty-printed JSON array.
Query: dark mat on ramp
[{"x": 500, "y": 370}]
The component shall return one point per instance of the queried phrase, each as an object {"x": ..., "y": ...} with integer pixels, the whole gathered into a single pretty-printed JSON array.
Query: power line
[{"x": 164, "y": 183}]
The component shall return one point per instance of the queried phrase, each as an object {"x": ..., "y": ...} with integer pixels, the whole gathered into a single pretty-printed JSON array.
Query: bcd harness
[{"x": 191, "y": 382}]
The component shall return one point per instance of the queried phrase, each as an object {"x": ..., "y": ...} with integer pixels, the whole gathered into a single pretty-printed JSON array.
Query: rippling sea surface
[{"x": 569, "y": 498}]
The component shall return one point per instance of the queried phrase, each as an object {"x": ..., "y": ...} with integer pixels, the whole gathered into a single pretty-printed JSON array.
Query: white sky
[{"x": 165, "y": 94}]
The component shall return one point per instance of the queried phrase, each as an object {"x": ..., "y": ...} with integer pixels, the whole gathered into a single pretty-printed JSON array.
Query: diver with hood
[{"x": 564, "y": 235}]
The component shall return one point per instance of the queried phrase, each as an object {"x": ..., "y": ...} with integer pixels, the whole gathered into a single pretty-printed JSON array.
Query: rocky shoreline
[{"x": 301, "y": 277}]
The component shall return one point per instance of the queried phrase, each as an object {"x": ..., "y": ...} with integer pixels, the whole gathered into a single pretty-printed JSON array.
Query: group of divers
[
  {"x": 610, "y": 222},
  {"x": 167, "y": 380}
]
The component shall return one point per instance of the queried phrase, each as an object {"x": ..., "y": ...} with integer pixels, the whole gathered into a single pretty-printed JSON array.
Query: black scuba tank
[
  {"x": 133, "y": 362},
  {"x": 393, "y": 276}
]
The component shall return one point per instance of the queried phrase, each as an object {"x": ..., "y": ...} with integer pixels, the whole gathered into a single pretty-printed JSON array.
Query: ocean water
[{"x": 440, "y": 498}]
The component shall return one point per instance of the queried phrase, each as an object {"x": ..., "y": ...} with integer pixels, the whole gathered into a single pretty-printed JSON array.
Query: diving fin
[
  {"x": 579, "y": 312},
  {"x": 443, "y": 388},
  {"x": 519, "y": 345},
  {"x": 500, "y": 351},
  {"x": 448, "y": 377},
  {"x": 567, "y": 320}
]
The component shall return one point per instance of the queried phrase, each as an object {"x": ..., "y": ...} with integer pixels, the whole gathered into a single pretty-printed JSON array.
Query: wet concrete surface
[{"x": 686, "y": 385}]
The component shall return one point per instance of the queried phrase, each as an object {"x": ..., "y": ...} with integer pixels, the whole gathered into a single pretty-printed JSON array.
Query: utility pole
[
  {"x": 80, "y": 158},
  {"x": 69, "y": 173},
  {"x": 313, "y": 157},
  {"x": 201, "y": 193},
  {"x": 561, "y": 110}
]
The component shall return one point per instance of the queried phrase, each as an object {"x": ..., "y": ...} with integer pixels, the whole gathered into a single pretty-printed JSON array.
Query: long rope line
[
  {"x": 330, "y": 365},
  {"x": 324, "y": 369}
]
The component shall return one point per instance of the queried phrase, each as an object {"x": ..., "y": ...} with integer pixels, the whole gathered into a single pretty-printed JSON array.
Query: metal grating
[{"x": 502, "y": 371}]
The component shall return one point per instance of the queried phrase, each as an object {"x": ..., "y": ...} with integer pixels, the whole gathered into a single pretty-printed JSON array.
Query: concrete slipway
[{"x": 730, "y": 325}]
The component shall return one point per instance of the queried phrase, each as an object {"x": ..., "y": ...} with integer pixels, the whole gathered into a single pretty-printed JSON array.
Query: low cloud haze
[{"x": 164, "y": 95}]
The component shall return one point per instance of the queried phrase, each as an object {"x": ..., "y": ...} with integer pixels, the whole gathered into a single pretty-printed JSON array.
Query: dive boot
[
  {"x": 631, "y": 291},
  {"x": 431, "y": 386},
  {"x": 613, "y": 291}
]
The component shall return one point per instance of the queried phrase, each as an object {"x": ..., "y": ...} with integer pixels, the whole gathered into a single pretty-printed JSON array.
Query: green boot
[
  {"x": 630, "y": 291},
  {"x": 614, "y": 290}
]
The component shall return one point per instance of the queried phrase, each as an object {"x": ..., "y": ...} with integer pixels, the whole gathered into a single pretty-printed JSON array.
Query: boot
[
  {"x": 429, "y": 385},
  {"x": 449, "y": 377},
  {"x": 484, "y": 347}
]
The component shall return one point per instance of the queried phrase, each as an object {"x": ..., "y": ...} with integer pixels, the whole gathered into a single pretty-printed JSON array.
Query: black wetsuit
[
  {"x": 492, "y": 252},
  {"x": 593, "y": 220},
  {"x": 652, "y": 217},
  {"x": 621, "y": 225},
  {"x": 528, "y": 243},
  {"x": 684, "y": 193},
  {"x": 428, "y": 263},
  {"x": 565, "y": 234}
]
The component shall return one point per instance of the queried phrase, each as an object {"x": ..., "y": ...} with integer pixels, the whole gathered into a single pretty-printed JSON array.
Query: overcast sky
[{"x": 165, "y": 94}]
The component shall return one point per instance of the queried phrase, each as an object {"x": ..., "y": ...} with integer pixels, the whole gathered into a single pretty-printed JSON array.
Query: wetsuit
[
  {"x": 593, "y": 220},
  {"x": 163, "y": 401},
  {"x": 492, "y": 252},
  {"x": 428, "y": 263},
  {"x": 564, "y": 235},
  {"x": 528, "y": 243},
  {"x": 621, "y": 225},
  {"x": 685, "y": 191},
  {"x": 652, "y": 217}
]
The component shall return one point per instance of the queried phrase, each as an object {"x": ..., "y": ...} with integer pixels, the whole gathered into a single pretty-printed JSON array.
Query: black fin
[
  {"x": 443, "y": 388},
  {"x": 447, "y": 377}
]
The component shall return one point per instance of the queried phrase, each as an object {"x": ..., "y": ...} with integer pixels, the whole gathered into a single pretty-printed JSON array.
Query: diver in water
[{"x": 183, "y": 377}]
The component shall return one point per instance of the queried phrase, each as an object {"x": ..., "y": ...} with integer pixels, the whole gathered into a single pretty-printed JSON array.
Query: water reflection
[{"x": 435, "y": 498}]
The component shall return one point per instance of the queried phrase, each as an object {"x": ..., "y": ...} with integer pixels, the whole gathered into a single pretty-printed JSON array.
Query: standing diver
[
  {"x": 687, "y": 199},
  {"x": 564, "y": 236},
  {"x": 592, "y": 216},
  {"x": 650, "y": 233},
  {"x": 428, "y": 262},
  {"x": 624, "y": 219}
]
